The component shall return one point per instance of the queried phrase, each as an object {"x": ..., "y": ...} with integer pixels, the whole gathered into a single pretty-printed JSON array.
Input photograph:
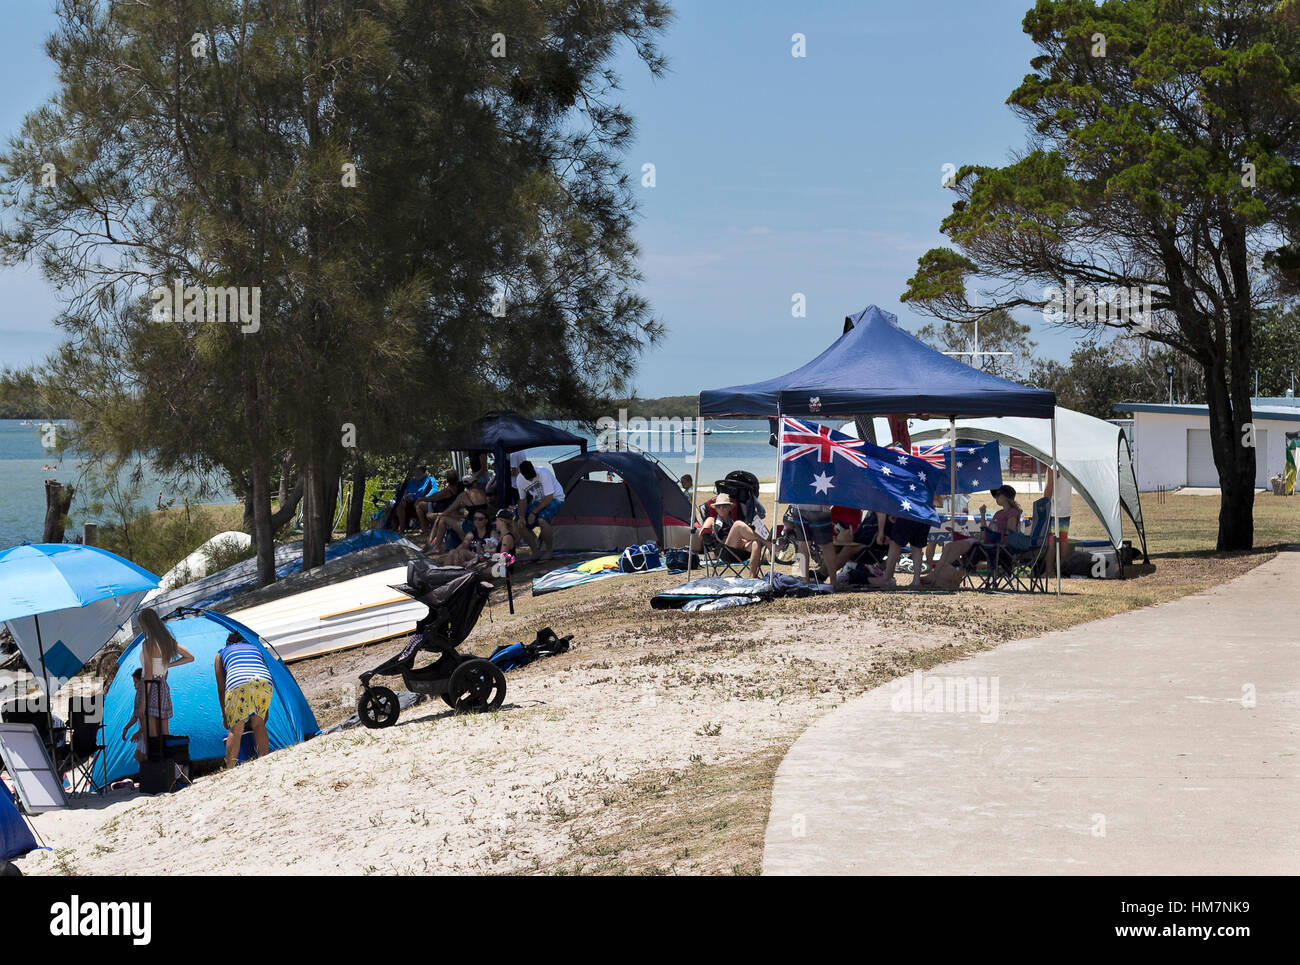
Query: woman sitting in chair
[
  {"x": 948, "y": 573},
  {"x": 736, "y": 541}
]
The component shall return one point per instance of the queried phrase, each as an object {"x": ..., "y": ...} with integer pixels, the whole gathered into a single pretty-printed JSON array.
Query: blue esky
[{"x": 774, "y": 174}]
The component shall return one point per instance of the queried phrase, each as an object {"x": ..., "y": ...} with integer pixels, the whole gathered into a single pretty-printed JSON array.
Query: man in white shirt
[{"x": 540, "y": 496}]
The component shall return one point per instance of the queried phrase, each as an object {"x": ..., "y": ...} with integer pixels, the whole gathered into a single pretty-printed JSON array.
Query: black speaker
[{"x": 157, "y": 777}]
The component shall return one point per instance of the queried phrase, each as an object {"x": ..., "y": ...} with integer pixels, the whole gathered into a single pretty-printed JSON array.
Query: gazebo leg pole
[
  {"x": 1056, "y": 520},
  {"x": 695, "y": 490},
  {"x": 952, "y": 477},
  {"x": 776, "y": 491}
]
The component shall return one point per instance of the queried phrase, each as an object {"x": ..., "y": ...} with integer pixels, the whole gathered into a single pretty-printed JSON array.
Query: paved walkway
[{"x": 1122, "y": 746}]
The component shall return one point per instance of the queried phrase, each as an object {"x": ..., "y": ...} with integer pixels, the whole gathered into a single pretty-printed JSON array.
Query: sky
[{"x": 775, "y": 175}]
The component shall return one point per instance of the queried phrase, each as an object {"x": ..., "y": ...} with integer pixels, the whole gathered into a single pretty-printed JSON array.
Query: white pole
[
  {"x": 1056, "y": 520},
  {"x": 952, "y": 473},
  {"x": 695, "y": 490},
  {"x": 776, "y": 492}
]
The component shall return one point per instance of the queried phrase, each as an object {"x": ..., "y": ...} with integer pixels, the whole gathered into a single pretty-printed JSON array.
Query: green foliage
[
  {"x": 998, "y": 332},
  {"x": 1163, "y": 135},
  {"x": 379, "y": 176}
]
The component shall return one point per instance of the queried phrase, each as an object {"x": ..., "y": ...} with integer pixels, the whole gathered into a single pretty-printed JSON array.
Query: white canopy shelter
[{"x": 1093, "y": 454}]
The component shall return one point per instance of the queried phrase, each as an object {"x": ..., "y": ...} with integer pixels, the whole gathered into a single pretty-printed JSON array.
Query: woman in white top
[{"x": 159, "y": 653}]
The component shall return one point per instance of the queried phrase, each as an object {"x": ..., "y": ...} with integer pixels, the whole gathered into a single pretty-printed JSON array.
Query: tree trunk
[
  {"x": 314, "y": 524},
  {"x": 58, "y": 499},
  {"x": 263, "y": 532},
  {"x": 284, "y": 515},
  {"x": 1235, "y": 461},
  {"x": 357, "y": 506}
]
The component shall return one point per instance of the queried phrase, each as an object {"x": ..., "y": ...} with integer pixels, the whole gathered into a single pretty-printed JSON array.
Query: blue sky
[{"x": 774, "y": 174}]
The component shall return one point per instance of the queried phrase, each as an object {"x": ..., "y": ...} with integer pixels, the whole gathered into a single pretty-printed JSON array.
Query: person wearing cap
[
  {"x": 1005, "y": 520},
  {"x": 244, "y": 692},
  {"x": 737, "y": 540}
]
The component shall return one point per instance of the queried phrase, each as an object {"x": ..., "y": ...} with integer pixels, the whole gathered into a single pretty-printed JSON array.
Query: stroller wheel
[
  {"x": 378, "y": 707},
  {"x": 476, "y": 684}
]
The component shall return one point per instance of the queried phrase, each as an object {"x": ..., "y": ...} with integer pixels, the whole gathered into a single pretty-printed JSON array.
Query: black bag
[{"x": 680, "y": 559}]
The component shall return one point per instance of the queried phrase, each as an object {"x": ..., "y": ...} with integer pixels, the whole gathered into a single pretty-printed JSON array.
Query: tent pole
[
  {"x": 45, "y": 684},
  {"x": 776, "y": 492},
  {"x": 695, "y": 491},
  {"x": 1056, "y": 520},
  {"x": 952, "y": 473}
]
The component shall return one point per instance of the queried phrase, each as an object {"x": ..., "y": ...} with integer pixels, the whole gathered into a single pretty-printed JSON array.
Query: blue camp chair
[{"x": 1012, "y": 565}]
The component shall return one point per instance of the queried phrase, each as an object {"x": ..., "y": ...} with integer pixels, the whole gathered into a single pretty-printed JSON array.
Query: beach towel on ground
[
  {"x": 598, "y": 565},
  {"x": 709, "y": 588}
]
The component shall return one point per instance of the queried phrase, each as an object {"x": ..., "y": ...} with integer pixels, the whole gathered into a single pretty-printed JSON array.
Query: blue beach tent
[
  {"x": 15, "y": 837},
  {"x": 194, "y": 697}
]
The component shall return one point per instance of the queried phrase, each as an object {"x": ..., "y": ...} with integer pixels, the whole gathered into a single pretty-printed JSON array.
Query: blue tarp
[
  {"x": 877, "y": 368},
  {"x": 194, "y": 698},
  {"x": 15, "y": 837}
]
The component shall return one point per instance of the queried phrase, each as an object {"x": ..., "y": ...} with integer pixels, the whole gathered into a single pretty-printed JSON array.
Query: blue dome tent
[{"x": 194, "y": 697}]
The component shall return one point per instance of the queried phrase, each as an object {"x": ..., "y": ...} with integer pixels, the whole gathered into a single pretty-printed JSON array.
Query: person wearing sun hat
[{"x": 736, "y": 539}]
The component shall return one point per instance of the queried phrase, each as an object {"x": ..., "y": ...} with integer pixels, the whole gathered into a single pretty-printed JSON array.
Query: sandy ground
[
  {"x": 650, "y": 715},
  {"x": 510, "y": 791}
]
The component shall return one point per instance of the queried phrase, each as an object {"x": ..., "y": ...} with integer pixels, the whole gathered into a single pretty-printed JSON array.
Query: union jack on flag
[
  {"x": 824, "y": 467},
  {"x": 798, "y": 439},
  {"x": 935, "y": 455}
]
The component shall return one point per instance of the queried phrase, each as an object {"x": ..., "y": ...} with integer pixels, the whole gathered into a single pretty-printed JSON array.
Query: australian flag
[
  {"x": 820, "y": 465},
  {"x": 979, "y": 468}
]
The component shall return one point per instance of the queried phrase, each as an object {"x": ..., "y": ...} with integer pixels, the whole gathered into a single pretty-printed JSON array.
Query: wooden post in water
[{"x": 58, "y": 498}]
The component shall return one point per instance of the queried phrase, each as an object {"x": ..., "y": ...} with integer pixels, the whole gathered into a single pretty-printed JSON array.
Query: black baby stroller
[{"x": 455, "y": 597}]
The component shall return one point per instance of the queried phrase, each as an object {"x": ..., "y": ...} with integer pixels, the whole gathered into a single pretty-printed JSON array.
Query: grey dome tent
[{"x": 644, "y": 504}]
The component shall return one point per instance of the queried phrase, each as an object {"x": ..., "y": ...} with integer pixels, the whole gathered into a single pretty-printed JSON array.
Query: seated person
[
  {"x": 541, "y": 496},
  {"x": 459, "y": 500},
  {"x": 477, "y": 477},
  {"x": 812, "y": 524},
  {"x": 477, "y": 542},
  {"x": 686, "y": 484},
  {"x": 849, "y": 546},
  {"x": 735, "y": 541},
  {"x": 415, "y": 496},
  {"x": 504, "y": 530},
  {"x": 1006, "y": 520},
  {"x": 952, "y": 508},
  {"x": 901, "y": 533}
]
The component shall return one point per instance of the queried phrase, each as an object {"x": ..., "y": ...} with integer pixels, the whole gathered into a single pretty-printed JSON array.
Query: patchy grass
[{"x": 652, "y": 746}]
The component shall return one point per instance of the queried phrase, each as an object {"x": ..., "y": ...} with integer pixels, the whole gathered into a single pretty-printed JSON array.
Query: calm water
[
  {"x": 728, "y": 444},
  {"x": 25, "y": 464}
]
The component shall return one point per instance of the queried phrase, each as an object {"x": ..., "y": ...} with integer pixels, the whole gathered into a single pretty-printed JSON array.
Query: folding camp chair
[
  {"x": 720, "y": 560},
  {"x": 1015, "y": 569},
  {"x": 85, "y": 729}
]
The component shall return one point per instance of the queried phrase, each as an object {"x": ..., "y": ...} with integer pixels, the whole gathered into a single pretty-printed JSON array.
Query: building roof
[{"x": 1276, "y": 410}]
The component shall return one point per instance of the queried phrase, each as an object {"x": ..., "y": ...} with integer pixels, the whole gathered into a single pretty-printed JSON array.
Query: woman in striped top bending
[{"x": 244, "y": 692}]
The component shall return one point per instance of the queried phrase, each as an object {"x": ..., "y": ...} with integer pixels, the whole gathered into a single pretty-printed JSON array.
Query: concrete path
[{"x": 1161, "y": 741}]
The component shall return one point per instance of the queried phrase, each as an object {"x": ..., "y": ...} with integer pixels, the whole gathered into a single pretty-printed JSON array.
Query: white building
[{"x": 1171, "y": 443}]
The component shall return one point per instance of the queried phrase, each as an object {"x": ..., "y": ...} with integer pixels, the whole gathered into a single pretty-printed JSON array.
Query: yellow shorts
[{"x": 249, "y": 699}]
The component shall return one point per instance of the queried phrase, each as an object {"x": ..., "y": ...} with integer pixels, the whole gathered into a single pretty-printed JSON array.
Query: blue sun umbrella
[{"x": 62, "y": 602}]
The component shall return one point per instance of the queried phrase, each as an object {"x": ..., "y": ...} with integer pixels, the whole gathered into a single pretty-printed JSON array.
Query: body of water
[
  {"x": 25, "y": 464},
  {"x": 728, "y": 444}
]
